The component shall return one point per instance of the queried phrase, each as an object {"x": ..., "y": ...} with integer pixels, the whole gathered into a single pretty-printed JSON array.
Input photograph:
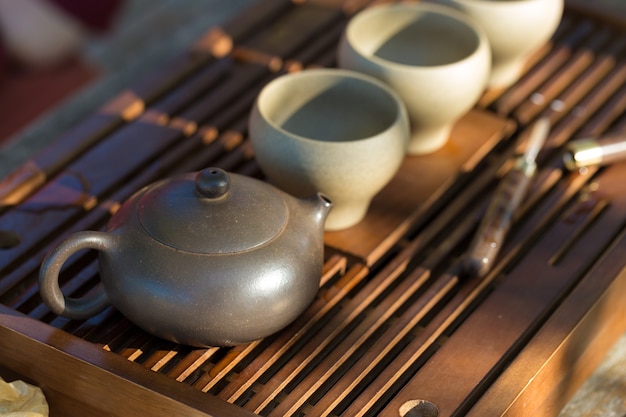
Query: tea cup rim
[
  {"x": 401, "y": 111},
  {"x": 471, "y": 23}
]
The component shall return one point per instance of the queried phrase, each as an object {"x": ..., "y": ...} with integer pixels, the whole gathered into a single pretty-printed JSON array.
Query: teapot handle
[{"x": 74, "y": 308}]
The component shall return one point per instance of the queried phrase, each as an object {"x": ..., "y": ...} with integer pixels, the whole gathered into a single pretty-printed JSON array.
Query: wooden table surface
[{"x": 604, "y": 393}]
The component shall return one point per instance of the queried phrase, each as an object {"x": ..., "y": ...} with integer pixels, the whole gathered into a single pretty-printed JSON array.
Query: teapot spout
[{"x": 319, "y": 205}]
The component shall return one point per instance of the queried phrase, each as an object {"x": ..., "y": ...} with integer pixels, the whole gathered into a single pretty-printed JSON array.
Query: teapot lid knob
[{"x": 212, "y": 183}]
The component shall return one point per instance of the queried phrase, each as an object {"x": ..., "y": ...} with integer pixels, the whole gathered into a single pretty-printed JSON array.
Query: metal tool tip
[{"x": 538, "y": 136}]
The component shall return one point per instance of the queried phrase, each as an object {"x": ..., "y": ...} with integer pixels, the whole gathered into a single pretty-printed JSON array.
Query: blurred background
[{"x": 37, "y": 105}]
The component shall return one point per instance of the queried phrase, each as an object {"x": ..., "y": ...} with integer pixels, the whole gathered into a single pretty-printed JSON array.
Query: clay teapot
[{"x": 204, "y": 259}]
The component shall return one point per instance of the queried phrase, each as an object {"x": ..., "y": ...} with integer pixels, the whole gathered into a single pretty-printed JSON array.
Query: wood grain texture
[
  {"x": 88, "y": 373},
  {"x": 394, "y": 321}
]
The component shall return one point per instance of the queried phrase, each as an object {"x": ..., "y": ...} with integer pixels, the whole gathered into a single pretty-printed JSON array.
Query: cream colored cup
[
  {"x": 515, "y": 29},
  {"x": 435, "y": 57},
  {"x": 333, "y": 131}
]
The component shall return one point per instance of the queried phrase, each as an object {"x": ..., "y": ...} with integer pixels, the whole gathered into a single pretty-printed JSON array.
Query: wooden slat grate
[{"x": 393, "y": 321}]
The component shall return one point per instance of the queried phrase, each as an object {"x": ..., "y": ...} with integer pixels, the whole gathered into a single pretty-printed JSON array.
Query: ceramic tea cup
[
  {"x": 435, "y": 57},
  {"x": 515, "y": 29},
  {"x": 333, "y": 131}
]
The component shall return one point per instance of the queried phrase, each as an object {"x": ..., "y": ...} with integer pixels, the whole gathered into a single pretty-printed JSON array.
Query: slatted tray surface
[{"x": 393, "y": 322}]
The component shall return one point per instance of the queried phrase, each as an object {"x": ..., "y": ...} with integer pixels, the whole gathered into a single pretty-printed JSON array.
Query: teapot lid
[{"x": 212, "y": 212}]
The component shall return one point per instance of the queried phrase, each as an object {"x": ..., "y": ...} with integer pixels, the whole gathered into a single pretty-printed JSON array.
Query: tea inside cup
[
  {"x": 332, "y": 131},
  {"x": 435, "y": 57}
]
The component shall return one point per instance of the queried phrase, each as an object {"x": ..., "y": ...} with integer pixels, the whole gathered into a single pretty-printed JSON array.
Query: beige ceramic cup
[
  {"x": 333, "y": 131},
  {"x": 515, "y": 29},
  {"x": 435, "y": 57}
]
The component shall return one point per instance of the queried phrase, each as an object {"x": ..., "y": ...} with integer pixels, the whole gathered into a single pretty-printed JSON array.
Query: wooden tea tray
[{"x": 393, "y": 323}]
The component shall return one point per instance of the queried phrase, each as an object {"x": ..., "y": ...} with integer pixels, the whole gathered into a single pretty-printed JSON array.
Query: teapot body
[{"x": 196, "y": 298}]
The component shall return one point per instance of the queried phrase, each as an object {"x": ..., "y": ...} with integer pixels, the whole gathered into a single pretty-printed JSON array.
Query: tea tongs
[{"x": 507, "y": 198}]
